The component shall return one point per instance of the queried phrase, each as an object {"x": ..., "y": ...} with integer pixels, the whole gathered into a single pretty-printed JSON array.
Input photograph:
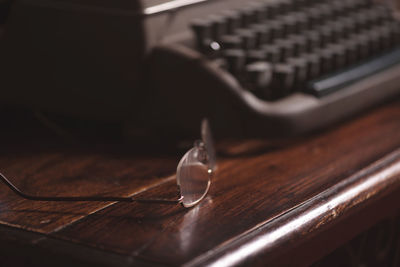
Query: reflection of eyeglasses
[{"x": 193, "y": 176}]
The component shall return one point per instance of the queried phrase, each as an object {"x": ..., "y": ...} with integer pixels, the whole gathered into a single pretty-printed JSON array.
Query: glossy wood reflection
[
  {"x": 72, "y": 173},
  {"x": 256, "y": 188}
]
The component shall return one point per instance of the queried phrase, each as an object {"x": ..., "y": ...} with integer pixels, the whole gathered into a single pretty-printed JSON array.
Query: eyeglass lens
[{"x": 193, "y": 177}]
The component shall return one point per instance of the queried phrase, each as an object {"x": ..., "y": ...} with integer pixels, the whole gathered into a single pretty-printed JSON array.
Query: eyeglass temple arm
[{"x": 86, "y": 198}]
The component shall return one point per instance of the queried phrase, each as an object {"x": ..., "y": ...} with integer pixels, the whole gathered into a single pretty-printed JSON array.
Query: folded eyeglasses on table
[{"x": 193, "y": 177}]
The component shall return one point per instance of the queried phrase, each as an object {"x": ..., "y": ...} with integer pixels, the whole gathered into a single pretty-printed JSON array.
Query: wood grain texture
[
  {"x": 254, "y": 190},
  {"x": 368, "y": 196},
  {"x": 247, "y": 191},
  {"x": 72, "y": 173}
]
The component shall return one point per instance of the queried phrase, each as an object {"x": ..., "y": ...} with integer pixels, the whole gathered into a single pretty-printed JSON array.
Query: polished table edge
[
  {"x": 271, "y": 238},
  {"x": 373, "y": 183}
]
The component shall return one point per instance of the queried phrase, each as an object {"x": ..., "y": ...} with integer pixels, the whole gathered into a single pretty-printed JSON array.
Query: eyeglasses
[{"x": 193, "y": 177}]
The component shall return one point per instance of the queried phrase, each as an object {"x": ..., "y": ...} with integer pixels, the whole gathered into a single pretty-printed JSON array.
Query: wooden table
[{"x": 290, "y": 203}]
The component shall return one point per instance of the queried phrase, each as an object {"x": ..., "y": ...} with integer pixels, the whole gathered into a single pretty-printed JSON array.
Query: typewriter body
[{"x": 262, "y": 68}]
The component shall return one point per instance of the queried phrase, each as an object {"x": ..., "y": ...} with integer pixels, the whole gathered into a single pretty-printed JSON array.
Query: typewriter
[{"x": 267, "y": 68}]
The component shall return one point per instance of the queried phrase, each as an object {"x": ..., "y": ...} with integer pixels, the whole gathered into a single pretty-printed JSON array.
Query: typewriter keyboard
[{"x": 276, "y": 48}]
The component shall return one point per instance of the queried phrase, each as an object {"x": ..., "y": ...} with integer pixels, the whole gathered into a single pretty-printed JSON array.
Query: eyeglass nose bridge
[
  {"x": 199, "y": 144},
  {"x": 203, "y": 156}
]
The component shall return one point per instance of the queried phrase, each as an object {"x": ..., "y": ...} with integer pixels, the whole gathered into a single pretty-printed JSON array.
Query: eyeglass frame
[{"x": 203, "y": 145}]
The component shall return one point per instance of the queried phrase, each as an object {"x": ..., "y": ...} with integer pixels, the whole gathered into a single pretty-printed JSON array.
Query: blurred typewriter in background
[{"x": 269, "y": 68}]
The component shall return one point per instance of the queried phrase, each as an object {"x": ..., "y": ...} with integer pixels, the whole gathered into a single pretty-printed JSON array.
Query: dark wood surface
[{"x": 266, "y": 201}]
